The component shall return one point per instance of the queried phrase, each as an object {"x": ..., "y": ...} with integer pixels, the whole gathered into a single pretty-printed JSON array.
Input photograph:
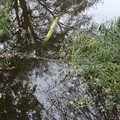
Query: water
[
  {"x": 105, "y": 11},
  {"x": 41, "y": 85},
  {"x": 54, "y": 88}
]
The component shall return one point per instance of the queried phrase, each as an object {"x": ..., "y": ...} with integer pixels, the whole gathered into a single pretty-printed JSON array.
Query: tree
[
  {"x": 27, "y": 22},
  {"x": 34, "y": 21}
]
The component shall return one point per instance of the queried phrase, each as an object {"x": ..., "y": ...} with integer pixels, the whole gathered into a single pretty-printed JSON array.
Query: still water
[
  {"x": 53, "y": 85},
  {"x": 105, "y": 10},
  {"x": 53, "y": 88}
]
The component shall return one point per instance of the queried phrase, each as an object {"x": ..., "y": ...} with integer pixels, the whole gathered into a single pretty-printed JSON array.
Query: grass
[{"x": 98, "y": 58}]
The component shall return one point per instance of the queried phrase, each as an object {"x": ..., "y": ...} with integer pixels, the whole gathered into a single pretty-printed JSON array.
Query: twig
[{"x": 7, "y": 68}]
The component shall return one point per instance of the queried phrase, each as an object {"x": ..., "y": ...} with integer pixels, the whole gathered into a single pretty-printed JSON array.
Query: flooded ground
[
  {"x": 54, "y": 86},
  {"x": 39, "y": 86},
  {"x": 43, "y": 86},
  {"x": 54, "y": 89}
]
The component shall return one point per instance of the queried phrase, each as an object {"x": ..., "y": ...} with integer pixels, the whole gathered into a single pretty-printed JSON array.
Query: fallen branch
[{"x": 7, "y": 68}]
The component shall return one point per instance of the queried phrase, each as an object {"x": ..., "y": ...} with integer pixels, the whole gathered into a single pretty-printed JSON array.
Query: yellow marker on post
[{"x": 52, "y": 29}]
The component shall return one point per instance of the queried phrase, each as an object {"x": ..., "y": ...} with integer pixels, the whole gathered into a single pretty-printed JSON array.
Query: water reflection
[
  {"x": 38, "y": 85},
  {"x": 17, "y": 101}
]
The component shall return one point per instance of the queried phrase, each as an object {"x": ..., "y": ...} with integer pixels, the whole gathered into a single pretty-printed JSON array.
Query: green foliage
[
  {"x": 5, "y": 19},
  {"x": 98, "y": 59}
]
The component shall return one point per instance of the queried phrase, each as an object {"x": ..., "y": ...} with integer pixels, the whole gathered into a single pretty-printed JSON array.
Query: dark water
[{"x": 37, "y": 86}]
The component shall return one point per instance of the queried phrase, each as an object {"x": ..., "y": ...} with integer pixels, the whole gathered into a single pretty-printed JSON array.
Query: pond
[
  {"x": 41, "y": 86},
  {"x": 105, "y": 11}
]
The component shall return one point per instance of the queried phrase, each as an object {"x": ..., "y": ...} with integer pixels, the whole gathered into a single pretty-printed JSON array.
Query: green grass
[{"x": 98, "y": 58}]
